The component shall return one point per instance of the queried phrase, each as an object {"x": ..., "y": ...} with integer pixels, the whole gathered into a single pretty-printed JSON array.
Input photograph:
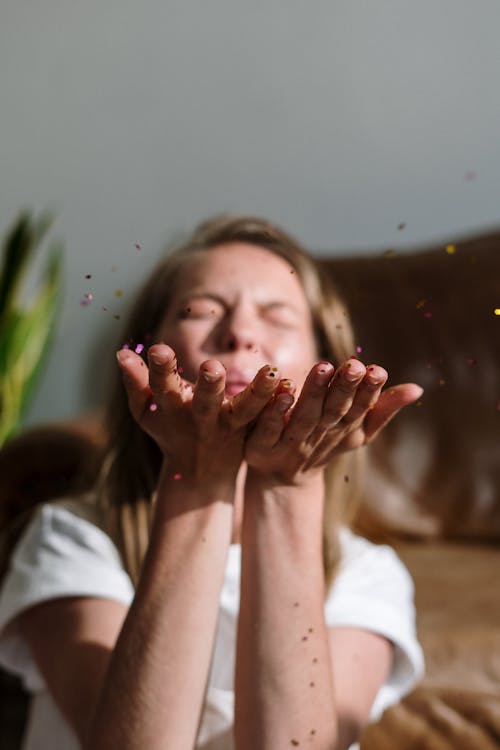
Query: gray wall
[{"x": 337, "y": 119}]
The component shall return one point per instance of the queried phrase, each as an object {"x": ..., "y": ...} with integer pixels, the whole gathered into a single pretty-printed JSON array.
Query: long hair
[{"x": 126, "y": 490}]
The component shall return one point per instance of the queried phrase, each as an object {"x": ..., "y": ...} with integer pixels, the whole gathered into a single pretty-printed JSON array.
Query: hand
[
  {"x": 336, "y": 412},
  {"x": 199, "y": 431}
]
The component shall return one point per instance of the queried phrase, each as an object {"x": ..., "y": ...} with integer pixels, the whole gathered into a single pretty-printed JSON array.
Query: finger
[
  {"x": 309, "y": 408},
  {"x": 164, "y": 378},
  {"x": 366, "y": 394},
  {"x": 245, "y": 406},
  {"x": 342, "y": 392},
  {"x": 389, "y": 403},
  {"x": 209, "y": 391},
  {"x": 135, "y": 381},
  {"x": 270, "y": 423}
]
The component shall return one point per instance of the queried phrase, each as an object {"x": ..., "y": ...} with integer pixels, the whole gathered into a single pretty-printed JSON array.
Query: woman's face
[{"x": 243, "y": 305}]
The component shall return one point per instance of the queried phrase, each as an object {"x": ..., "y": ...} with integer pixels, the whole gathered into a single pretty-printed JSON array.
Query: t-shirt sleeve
[
  {"x": 373, "y": 590},
  {"x": 59, "y": 554}
]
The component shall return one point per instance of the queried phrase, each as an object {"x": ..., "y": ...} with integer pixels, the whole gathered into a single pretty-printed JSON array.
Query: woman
[{"x": 214, "y": 490}]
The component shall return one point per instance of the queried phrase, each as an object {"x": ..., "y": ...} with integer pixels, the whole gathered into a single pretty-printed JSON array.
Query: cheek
[{"x": 295, "y": 359}]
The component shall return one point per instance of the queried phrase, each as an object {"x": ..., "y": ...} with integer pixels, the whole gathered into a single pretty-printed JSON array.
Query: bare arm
[
  {"x": 294, "y": 685},
  {"x": 147, "y": 689}
]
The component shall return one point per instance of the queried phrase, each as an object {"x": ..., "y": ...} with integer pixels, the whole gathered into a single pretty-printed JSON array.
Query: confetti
[
  {"x": 138, "y": 349},
  {"x": 496, "y": 311},
  {"x": 441, "y": 381},
  {"x": 126, "y": 346},
  {"x": 359, "y": 349},
  {"x": 89, "y": 296},
  {"x": 84, "y": 302},
  {"x": 177, "y": 476},
  {"x": 427, "y": 315},
  {"x": 118, "y": 292},
  {"x": 88, "y": 275},
  {"x": 451, "y": 249},
  {"x": 137, "y": 246},
  {"x": 471, "y": 361},
  {"x": 421, "y": 303},
  {"x": 419, "y": 403},
  {"x": 153, "y": 407}
]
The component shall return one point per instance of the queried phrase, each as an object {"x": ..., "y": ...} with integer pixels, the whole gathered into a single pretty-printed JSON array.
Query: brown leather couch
[{"x": 432, "y": 487}]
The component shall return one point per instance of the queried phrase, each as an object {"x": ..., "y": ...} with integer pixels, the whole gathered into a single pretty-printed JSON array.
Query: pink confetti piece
[
  {"x": 153, "y": 407},
  {"x": 138, "y": 349},
  {"x": 427, "y": 315},
  {"x": 84, "y": 302},
  {"x": 126, "y": 346},
  {"x": 177, "y": 476},
  {"x": 471, "y": 361},
  {"x": 89, "y": 296},
  {"x": 137, "y": 246},
  {"x": 180, "y": 370},
  {"x": 359, "y": 349}
]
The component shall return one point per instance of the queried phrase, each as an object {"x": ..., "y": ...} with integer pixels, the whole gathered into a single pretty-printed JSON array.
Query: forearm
[
  {"x": 154, "y": 690},
  {"x": 284, "y": 686}
]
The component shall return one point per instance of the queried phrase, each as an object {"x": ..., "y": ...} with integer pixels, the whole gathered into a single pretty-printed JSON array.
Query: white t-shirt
[{"x": 62, "y": 552}]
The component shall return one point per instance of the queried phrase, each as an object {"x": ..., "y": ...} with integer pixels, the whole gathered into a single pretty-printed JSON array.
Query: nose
[{"x": 236, "y": 333}]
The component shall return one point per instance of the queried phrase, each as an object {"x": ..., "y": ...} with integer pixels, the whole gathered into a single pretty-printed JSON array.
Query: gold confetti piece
[
  {"x": 419, "y": 403},
  {"x": 421, "y": 303},
  {"x": 451, "y": 249},
  {"x": 441, "y": 381},
  {"x": 496, "y": 311},
  {"x": 118, "y": 292}
]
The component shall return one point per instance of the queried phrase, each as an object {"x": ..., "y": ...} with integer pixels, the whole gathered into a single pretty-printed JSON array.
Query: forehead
[{"x": 241, "y": 267}]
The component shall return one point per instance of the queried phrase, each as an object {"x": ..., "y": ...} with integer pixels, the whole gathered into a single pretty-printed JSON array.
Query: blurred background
[{"x": 358, "y": 126}]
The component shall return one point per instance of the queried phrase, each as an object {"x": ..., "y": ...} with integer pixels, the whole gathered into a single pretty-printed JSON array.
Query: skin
[{"x": 237, "y": 467}]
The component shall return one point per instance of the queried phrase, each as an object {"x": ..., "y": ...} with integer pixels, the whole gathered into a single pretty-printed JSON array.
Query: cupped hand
[
  {"x": 337, "y": 411},
  {"x": 198, "y": 429}
]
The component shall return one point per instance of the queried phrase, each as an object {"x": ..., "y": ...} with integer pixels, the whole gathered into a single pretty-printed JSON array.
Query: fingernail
[
  {"x": 210, "y": 376},
  {"x": 322, "y": 376},
  {"x": 157, "y": 358},
  {"x": 122, "y": 356}
]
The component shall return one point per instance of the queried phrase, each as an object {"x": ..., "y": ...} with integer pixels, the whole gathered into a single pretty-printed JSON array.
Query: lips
[
  {"x": 237, "y": 381},
  {"x": 233, "y": 388}
]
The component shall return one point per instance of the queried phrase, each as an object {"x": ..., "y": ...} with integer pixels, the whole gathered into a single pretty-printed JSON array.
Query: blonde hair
[{"x": 130, "y": 473}]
